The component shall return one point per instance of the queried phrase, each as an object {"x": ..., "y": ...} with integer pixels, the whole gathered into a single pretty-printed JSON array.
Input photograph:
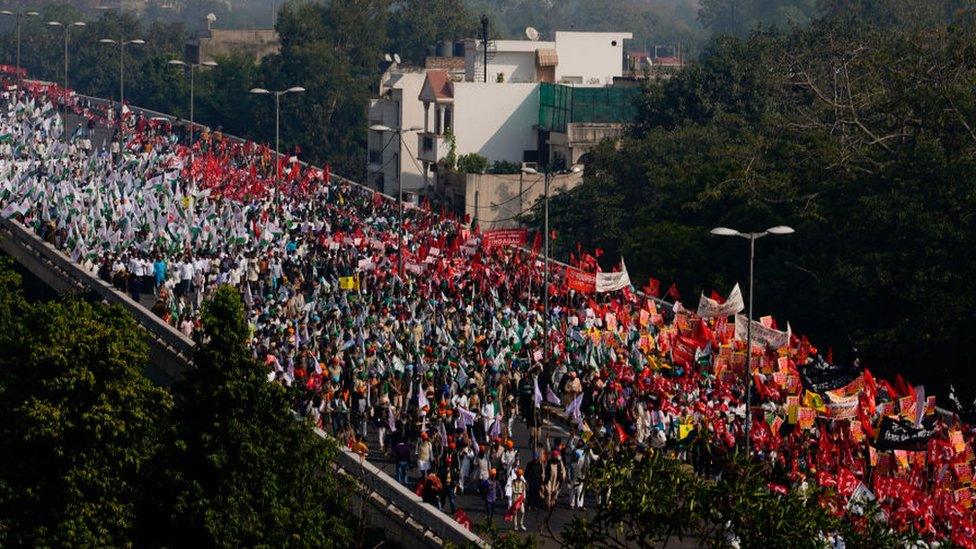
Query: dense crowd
[{"x": 438, "y": 361}]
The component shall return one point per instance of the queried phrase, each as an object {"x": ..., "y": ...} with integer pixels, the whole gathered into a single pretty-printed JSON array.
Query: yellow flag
[
  {"x": 347, "y": 283},
  {"x": 815, "y": 401},
  {"x": 684, "y": 429}
]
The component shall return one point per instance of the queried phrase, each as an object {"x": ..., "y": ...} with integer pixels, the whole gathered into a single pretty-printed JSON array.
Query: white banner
[
  {"x": 610, "y": 282},
  {"x": 710, "y": 308},
  {"x": 768, "y": 337}
]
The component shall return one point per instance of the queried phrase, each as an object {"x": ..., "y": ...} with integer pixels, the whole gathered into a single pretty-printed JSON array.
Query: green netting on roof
[{"x": 560, "y": 105}]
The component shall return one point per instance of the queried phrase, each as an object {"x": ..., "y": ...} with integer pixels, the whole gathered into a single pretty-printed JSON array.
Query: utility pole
[{"x": 484, "y": 44}]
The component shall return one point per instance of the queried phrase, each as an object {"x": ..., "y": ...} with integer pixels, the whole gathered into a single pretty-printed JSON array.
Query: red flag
[
  {"x": 462, "y": 518},
  {"x": 621, "y": 434},
  {"x": 598, "y": 252},
  {"x": 537, "y": 243},
  {"x": 653, "y": 287},
  {"x": 673, "y": 291}
]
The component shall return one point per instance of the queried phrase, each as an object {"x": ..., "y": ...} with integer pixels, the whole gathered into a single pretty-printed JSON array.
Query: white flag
[
  {"x": 710, "y": 308},
  {"x": 609, "y": 282}
]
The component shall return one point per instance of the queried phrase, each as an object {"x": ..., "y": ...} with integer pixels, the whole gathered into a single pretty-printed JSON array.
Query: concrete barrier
[
  {"x": 402, "y": 504},
  {"x": 170, "y": 352}
]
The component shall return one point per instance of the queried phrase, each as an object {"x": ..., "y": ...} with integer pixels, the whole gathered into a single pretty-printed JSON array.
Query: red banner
[
  {"x": 506, "y": 237},
  {"x": 581, "y": 281}
]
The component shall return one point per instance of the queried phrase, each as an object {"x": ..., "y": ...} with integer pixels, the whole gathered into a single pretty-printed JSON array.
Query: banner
[
  {"x": 768, "y": 337},
  {"x": 505, "y": 237},
  {"x": 901, "y": 434},
  {"x": 610, "y": 282},
  {"x": 819, "y": 377},
  {"x": 710, "y": 308},
  {"x": 581, "y": 281}
]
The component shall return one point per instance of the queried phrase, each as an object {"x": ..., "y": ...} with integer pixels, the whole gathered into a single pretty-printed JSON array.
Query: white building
[
  {"x": 492, "y": 120},
  {"x": 579, "y": 58},
  {"x": 398, "y": 109}
]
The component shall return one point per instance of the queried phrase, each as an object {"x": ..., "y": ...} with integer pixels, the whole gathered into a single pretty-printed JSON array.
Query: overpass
[{"x": 391, "y": 507}]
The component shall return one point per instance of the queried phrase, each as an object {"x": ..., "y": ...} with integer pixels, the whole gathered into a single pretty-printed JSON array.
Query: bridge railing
[
  {"x": 394, "y": 495},
  {"x": 26, "y": 246}
]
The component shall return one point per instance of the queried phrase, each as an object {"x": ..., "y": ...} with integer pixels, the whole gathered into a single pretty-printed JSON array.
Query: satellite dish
[
  {"x": 211, "y": 17},
  {"x": 387, "y": 58},
  {"x": 531, "y": 33},
  {"x": 396, "y": 58}
]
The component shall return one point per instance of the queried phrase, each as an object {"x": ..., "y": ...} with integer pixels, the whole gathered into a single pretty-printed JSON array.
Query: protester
[{"x": 445, "y": 358}]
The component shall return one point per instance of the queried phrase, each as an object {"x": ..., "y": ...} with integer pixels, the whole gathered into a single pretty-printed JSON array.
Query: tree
[
  {"x": 856, "y": 133},
  {"x": 81, "y": 421},
  {"x": 472, "y": 163},
  {"x": 653, "y": 498},
  {"x": 416, "y": 25},
  {"x": 244, "y": 470}
]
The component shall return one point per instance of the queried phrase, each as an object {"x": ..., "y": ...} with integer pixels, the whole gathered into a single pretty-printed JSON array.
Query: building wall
[
  {"x": 513, "y": 58},
  {"x": 400, "y": 109},
  {"x": 500, "y": 197},
  {"x": 255, "y": 43},
  {"x": 496, "y": 120},
  {"x": 516, "y": 66},
  {"x": 591, "y": 56}
]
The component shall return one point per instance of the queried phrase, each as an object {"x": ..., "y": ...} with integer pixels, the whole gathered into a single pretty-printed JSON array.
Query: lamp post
[
  {"x": 122, "y": 44},
  {"x": 399, "y": 135},
  {"x": 547, "y": 178},
  {"x": 20, "y": 15},
  {"x": 191, "y": 67},
  {"x": 277, "y": 97},
  {"x": 66, "y": 26},
  {"x": 751, "y": 237}
]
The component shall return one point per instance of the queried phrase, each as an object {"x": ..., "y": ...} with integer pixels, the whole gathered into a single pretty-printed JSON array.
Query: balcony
[{"x": 431, "y": 147}]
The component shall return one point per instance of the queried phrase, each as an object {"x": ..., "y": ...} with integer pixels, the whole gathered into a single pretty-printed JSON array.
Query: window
[{"x": 448, "y": 119}]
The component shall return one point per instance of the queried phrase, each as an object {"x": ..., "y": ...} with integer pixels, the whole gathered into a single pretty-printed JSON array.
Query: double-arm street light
[
  {"x": 19, "y": 15},
  {"x": 399, "y": 134},
  {"x": 277, "y": 97},
  {"x": 191, "y": 67},
  {"x": 66, "y": 27},
  {"x": 751, "y": 237},
  {"x": 122, "y": 44}
]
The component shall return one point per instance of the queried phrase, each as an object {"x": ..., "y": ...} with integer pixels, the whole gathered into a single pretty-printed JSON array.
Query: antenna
[
  {"x": 531, "y": 34},
  {"x": 396, "y": 58}
]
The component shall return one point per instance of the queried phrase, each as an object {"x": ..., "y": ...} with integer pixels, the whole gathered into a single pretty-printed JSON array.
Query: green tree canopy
[
  {"x": 81, "y": 422},
  {"x": 243, "y": 469},
  {"x": 858, "y": 135}
]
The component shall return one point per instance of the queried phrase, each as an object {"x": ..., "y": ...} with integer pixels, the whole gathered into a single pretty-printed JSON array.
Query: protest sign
[
  {"x": 505, "y": 237},
  {"x": 901, "y": 434}
]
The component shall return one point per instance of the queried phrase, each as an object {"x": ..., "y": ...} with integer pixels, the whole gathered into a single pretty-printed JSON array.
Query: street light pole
[
  {"x": 122, "y": 44},
  {"x": 19, "y": 16},
  {"x": 751, "y": 237},
  {"x": 66, "y": 26},
  {"x": 547, "y": 179},
  {"x": 191, "y": 67},
  {"x": 277, "y": 97},
  {"x": 399, "y": 135}
]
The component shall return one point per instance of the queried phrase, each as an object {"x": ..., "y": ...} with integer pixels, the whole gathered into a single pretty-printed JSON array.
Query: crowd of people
[{"x": 432, "y": 351}]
